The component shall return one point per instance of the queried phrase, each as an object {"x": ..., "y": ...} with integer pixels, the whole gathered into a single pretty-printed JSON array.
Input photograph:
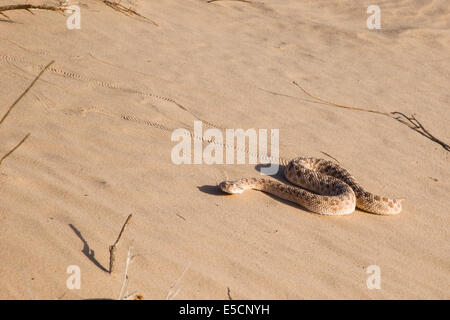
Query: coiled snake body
[{"x": 332, "y": 189}]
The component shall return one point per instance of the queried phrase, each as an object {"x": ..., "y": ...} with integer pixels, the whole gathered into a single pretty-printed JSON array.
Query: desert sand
[{"x": 100, "y": 121}]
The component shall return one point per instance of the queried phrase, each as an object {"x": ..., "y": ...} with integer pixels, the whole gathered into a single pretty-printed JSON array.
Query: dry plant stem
[
  {"x": 125, "y": 275},
  {"x": 330, "y": 156},
  {"x": 229, "y": 294},
  {"x": 134, "y": 296},
  {"x": 13, "y": 149},
  {"x": 173, "y": 293},
  {"x": 247, "y": 1},
  {"x": 418, "y": 127},
  {"x": 15, "y": 103},
  {"x": 127, "y": 11},
  {"x": 27, "y": 7},
  {"x": 112, "y": 249},
  {"x": 25, "y": 92},
  {"x": 338, "y": 105},
  {"x": 412, "y": 123}
]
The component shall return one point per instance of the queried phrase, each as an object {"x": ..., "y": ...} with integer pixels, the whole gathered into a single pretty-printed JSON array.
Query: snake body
[{"x": 320, "y": 186}]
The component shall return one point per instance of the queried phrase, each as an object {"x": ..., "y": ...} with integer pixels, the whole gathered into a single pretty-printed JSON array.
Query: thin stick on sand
[
  {"x": 330, "y": 156},
  {"x": 26, "y": 90},
  {"x": 112, "y": 249},
  {"x": 247, "y": 1},
  {"x": 174, "y": 289},
  {"x": 13, "y": 149},
  {"x": 414, "y": 124},
  {"x": 339, "y": 105},
  {"x": 15, "y": 103},
  {"x": 29, "y": 7},
  {"x": 229, "y": 293},
  {"x": 411, "y": 121},
  {"x": 134, "y": 296},
  {"x": 125, "y": 274},
  {"x": 127, "y": 11}
]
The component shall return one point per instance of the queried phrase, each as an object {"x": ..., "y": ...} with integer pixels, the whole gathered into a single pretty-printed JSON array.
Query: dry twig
[
  {"x": 13, "y": 149},
  {"x": 14, "y": 104},
  {"x": 134, "y": 296},
  {"x": 411, "y": 121},
  {"x": 29, "y": 7},
  {"x": 127, "y": 11},
  {"x": 174, "y": 289},
  {"x": 330, "y": 156},
  {"x": 247, "y": 1},
  {"x": 112, "y": 249},
  {"x": 125, "y": 275},
  {"x": 229, "y": 293},
  {"x": 414, "y": 124},
  {"x": 25, "y": 92},
  {"x": 338, "y": 105}
]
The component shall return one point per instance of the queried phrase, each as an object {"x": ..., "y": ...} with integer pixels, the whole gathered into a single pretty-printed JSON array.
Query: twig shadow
[{"x": 88, "y": 252}]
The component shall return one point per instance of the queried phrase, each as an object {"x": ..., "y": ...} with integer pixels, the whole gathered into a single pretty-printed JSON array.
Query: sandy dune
[{"x": 101, "y": 119}]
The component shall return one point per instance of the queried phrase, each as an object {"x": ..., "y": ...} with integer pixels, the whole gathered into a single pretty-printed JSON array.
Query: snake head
[{"x": 231, "y": 187}]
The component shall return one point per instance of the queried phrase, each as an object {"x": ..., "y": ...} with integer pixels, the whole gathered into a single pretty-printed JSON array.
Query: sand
[{"x": 101, "y": 119}]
